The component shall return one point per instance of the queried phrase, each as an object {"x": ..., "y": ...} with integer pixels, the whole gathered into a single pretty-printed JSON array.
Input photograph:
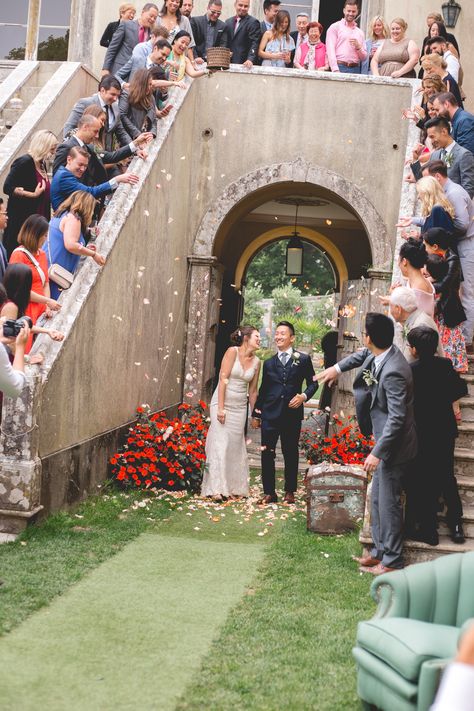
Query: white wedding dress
[{"x": 227, "y": 465}]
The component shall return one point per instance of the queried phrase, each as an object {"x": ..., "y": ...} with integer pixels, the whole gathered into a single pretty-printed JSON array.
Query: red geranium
[
  {"x": 344, "y": 445},
  {"x": 164, "y": 446}
]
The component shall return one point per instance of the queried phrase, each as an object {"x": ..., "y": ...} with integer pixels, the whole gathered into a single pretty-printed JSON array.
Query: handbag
[
  {"x": 58, "y": 274},
  {"x": 34, "y": 261}
]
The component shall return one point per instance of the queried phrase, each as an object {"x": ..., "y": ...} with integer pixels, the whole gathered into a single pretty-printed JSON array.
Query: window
[{"x": 53, "y": 31}]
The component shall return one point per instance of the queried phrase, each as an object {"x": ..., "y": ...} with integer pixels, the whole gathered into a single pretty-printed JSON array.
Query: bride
[{"x": 227, "y": 467}]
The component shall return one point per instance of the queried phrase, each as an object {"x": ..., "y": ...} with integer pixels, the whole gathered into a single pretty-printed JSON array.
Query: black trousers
[
  {"x": 432, "y": 476},
  {"x": 288, "y": 431}
]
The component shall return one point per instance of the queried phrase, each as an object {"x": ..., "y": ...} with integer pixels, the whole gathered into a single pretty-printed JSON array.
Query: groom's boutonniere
[
  {"x": 369, "y": 378},
  {"x": 295, "y": 356}
]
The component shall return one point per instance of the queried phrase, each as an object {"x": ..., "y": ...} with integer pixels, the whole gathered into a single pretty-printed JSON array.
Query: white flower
[
  {"x": 369, "y": 378},
  {"x": 295, "y": 357}
]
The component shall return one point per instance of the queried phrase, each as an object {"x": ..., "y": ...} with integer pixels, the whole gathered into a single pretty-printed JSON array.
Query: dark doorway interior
[{"x": 330, "y": 11}]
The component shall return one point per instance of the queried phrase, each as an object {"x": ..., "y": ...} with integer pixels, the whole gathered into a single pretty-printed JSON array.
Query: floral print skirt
[{"x": 454, "y": 345}]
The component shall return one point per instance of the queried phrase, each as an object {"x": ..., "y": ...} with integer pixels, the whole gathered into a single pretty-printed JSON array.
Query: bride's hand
[{"x": 221, "y": 416}]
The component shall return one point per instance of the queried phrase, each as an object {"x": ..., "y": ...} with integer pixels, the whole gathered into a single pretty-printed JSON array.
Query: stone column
[
  {"x": 203, "y": 318},
  {"x": 20, "y": 465},
  {"x": 32, "y": 31},
  {"x": 81, "y": 33}
]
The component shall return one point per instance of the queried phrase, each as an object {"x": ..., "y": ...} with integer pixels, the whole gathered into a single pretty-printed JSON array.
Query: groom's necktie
[{"x": 284, "y": 359}]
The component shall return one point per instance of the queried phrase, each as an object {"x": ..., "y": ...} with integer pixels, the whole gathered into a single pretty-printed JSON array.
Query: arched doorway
[{"x": 255, "y": 210}]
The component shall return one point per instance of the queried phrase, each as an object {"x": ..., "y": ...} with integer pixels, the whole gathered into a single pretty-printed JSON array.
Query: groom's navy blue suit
[{"x": 279, "y": 386}]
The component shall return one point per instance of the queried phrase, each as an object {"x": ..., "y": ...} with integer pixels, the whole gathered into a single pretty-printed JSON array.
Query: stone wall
[{"x": 125, "y": 325}]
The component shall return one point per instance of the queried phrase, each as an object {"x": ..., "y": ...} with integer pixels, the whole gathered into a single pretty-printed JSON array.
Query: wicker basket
[{"x": 218, "y": 57}]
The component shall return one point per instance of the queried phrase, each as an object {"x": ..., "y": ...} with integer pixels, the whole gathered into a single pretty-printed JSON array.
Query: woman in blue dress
[
  {"x": 66, "y": 244},
  {"x": 277, "y": 44}
]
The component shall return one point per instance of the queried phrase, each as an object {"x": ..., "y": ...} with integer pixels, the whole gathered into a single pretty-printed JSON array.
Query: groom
[{"x": 279, "y": 410}]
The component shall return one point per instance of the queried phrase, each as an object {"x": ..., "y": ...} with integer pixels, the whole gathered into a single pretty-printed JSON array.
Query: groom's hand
[
  {"x": 255, "y": 423},
  {"x": 329, "y": 376},
  {"x": 297, "y": 401}
]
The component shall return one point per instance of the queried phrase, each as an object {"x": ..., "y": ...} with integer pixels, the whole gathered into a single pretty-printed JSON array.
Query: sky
[{"x": 53, "y": 12}]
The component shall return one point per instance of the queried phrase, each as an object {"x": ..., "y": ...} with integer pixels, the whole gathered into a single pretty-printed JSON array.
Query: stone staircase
[{"x": 28, "y": 89}]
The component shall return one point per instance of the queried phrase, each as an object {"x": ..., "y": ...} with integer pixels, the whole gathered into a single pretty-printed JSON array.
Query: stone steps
[
  {"x": 417, "y": 552},
  {"x": 468, "y": 523},
  {"x": 465, "y": 439},
  {"x": 469, "y": 378},
  {"x": 467, "y": 409}
]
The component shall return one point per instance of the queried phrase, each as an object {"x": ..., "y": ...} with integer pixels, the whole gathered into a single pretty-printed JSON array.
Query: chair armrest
[
  {"x": 428, "y": 682},
  {"x": 390, "y": 592}
]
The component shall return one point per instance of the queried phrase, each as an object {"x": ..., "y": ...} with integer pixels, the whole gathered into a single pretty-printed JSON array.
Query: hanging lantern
[
  {"x": 451, "y": 12},
  {"x": 294, "y": 256}
]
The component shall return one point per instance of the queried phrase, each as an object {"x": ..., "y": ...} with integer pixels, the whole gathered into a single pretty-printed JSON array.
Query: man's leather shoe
[
  {"x": 377, "y": 569},
  {"x": 457, "y": 534},
  {"x": 289, "y": 498},
  {"x": 268, "y": 499},
  {"x": 366, "y": 561}
]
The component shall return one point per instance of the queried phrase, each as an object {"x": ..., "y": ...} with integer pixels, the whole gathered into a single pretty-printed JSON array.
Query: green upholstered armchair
[{"x": 402, "y": 651}]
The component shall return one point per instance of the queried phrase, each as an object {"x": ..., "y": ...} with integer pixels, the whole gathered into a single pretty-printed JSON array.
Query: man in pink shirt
[{"x": 345, "y": 42}]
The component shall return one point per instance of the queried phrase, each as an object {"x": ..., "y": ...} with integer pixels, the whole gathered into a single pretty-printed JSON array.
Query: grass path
[{"x": 131, "y": 634}]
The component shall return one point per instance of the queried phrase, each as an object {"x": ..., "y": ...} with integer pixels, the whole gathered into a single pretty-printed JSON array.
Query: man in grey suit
[
  {"x": 127, "y": 35},
  {"x": 459, "y": 160},
  {"x": 383, "y": 392},
  {"x": 107, "y": 98}
]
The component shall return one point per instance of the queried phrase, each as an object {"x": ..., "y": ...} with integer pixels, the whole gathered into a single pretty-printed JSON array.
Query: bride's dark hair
[{"x": 237, "y": 337}]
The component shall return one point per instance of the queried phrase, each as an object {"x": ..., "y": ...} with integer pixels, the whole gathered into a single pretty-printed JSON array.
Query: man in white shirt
[{"x": 440, "y": 46}]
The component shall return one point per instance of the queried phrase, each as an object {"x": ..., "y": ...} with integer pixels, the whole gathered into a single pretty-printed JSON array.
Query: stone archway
[{"x": 226, "y": 210}]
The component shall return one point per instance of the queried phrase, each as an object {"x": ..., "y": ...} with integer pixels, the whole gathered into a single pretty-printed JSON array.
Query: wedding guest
[
  {"x": 459, "y": 160},
  {"x": 398, "y": 55},
  {"x": 179, "y": 62},
  {"x": 345, "y": 42},
  {"x": 300, "y": 35},
  {"x": 440, "y": 46},
  {"x": 431, "y": 18},
  {"x": 270, "y": 9},
  {"x": 65, "y": 244},
  {"x": 27, "y": 186},
  {"x": 18, "y": 280},
  {"x": 137, "y": 105},
  {"x": 404, "y": 310},
  {"x": 311, "y": 54},
  {"x": 127, "y": 35},
  {"x": 126, "y": 12},
  {"x": 434, "y": 64},
  {"x": 12, "y": 376},
  {"x": 32, "y": 237},
  {"x": 209, "y": 31},
  {"x": 277, "y": 44},
  {"x": 378, "y": 31},
  {"x": 3, "y": 251},
  {"x": 462, "y": 122},
  {"x": 436, "y": 386},
  {"x": 175, "y": 22},
  {"x": 383, "y": 393},
  {"x": 244, "y": 34},
  {"x": 436, "y": 210},
  {"x": 187, "y": 8},
  {"x": 227, "y": 470},
  {"x": 444, "y": 267},
  {"x": 140, "y": 58}
]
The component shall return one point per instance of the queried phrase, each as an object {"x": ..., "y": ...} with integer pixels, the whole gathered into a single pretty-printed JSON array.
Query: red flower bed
[
  {"x": 345, "y": 445},
  {"x": 164, "y": 453}
]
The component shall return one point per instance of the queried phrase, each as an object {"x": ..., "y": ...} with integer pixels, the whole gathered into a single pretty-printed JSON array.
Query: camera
[{"x": 12, "y": 328}]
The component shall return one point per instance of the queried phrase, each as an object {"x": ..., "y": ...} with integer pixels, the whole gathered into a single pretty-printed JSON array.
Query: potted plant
[{"x": 336, "y": 483}]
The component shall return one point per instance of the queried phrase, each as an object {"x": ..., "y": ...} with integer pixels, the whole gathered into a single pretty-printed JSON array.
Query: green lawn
[{"x": 285, "y": 645}]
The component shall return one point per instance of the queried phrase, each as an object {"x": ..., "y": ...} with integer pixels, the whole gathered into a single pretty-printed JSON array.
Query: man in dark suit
[
  {"x": 107, "y": 98},
  {"x": 244, "y": 35},
  {"x": 301, "y": 34},
  {"x": 87, "y": 130},
  {"x": 270, "y": 9},
  {"x": 436, "y": 387},
  {"x": 126, "y": 36},
  {"x": 462, "y": 122},
  {"x": 459, "y": 160},
  {"x": 208, "y": 30},
  {"x": 279, "y": 410},
  {"x": 383, "y": 393}
]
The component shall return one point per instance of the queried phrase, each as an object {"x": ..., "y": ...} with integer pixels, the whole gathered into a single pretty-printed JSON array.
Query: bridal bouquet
[
  {"x": 346, "y": 444},
  {"x": 162, "y": 452}
]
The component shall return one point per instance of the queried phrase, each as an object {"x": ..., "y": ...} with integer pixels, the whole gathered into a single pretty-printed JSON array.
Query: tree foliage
[
  {"x": 54, "y": 49},
  {"x": 267, "y": 270},
  {"x": 253, "y": 311}
]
